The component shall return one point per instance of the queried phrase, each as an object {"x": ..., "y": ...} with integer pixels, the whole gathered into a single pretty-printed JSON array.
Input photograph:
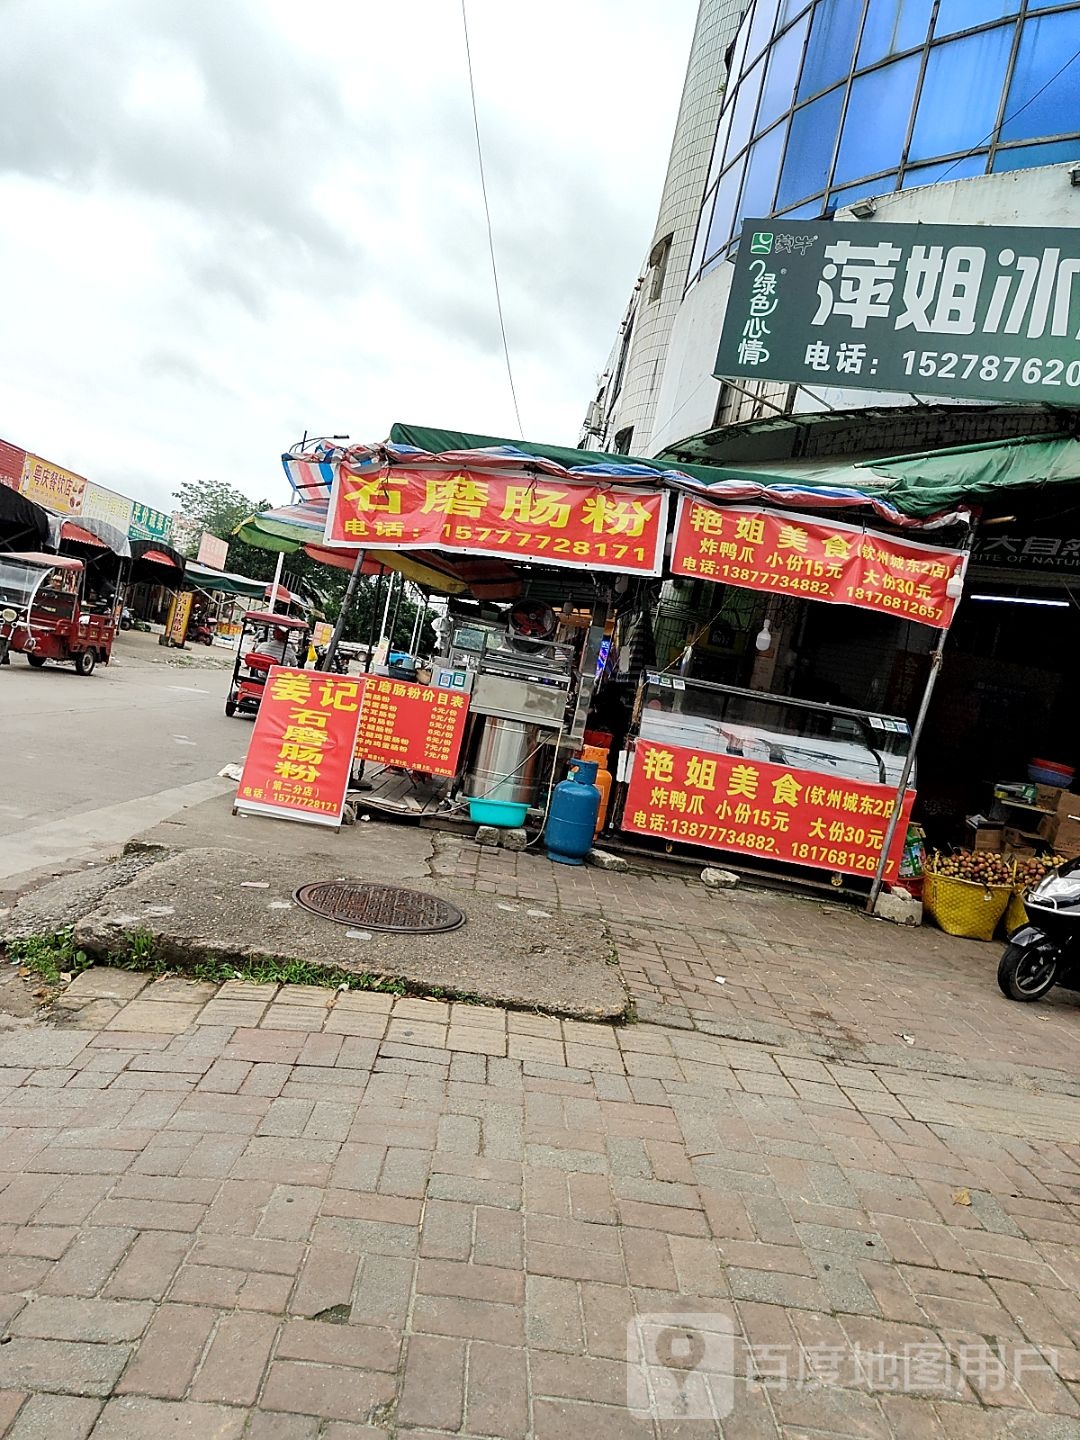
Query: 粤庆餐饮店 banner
[
  {"x": 814, "y": 559},
  {"x": 588, "y": 526},
  {"x": 728, "y": 802},
  {"x": 970, "y": 311}
]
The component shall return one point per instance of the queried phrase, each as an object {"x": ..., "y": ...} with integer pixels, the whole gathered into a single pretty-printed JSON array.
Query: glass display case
[{"x": 801, "y": 734}]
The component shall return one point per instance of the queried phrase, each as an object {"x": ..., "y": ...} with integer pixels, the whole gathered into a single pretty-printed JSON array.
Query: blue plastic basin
[{"x": 498, "y": 812}]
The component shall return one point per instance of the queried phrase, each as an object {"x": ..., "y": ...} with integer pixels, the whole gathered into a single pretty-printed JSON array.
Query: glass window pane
[
  {"x": 726, "y": 195},
  {"x": 956, "y": 15},
  {"x": 789, "y": 9},
  {"x": 778, "y": 95},
  {"x": 719, "y": 146},
  {"x": 1045, "y": 45},
  {"x": 699, "y": 240},
  {"x": 893, "y": 26},
  {"x": 810, "y": 147},
  {"x": 961, "y": 93},
  {"x": 761, "y": 27},
  {"x": 832, "y": 44},
  {"x": 738, "y": 51},
  {"x": 760, "y": 186},
  {"x": 810, "y": 211},
  {"x": 1025, "y": 157},
  {"x": 881, "y": 186},
  {"x": 743, "y": 114},
  {"x": 963, "y": 169},
  {"x": 876, "y": 123}
]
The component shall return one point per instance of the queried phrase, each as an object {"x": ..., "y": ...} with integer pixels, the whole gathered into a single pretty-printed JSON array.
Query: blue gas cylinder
[{"x": 572, "y": 817}]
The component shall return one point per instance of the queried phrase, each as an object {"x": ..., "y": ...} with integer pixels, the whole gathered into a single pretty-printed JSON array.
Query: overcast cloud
[{"x": 228, "y": 221}]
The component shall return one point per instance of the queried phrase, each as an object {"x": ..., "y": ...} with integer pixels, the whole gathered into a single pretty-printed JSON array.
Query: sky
[{"x": 230, "y": 221}]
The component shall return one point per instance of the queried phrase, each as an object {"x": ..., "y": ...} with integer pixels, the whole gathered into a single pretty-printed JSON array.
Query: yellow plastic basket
[
  {"x": 964, "y": 907},
  {"x": 1015, "y": 912}
]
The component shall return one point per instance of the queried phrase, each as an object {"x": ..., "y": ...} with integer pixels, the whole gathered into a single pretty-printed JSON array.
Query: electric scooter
[{"x": 1046, "y": 951}]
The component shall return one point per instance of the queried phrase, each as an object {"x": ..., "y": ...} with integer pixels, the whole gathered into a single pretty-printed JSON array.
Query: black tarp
[
  {"x": 155, "y": 563},
  {"x": 23, "y": 525}
]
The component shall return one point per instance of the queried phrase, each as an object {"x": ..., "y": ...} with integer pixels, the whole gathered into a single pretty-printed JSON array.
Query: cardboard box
[
  {"x": 983, "y": 837},
  {"x": 1067, "y": 840},
  {"x": 1047, "y": 796},
  {"x": 1020, "y": 843},
  {"x": 1068, "y": 804}
]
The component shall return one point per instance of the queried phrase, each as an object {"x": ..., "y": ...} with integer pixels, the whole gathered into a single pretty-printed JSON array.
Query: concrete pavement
[{"x": 93, "y": 760}]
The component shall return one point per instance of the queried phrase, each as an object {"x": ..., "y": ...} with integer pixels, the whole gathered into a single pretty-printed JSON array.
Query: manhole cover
[{"x": 379, "y": 907}]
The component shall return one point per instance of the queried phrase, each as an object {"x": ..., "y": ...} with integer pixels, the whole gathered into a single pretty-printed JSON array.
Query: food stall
[
  {"x": 564, "y": 554},
  {"x": 156, "y": 581}
]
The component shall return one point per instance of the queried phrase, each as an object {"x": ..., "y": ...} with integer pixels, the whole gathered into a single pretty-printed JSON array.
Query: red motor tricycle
[
  {"x": 45, "y": 614},
  {"x": 265, "y": 639}
]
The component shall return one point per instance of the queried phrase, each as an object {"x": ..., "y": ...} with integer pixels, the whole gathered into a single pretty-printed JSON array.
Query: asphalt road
[{"x": 90, "y": 761}]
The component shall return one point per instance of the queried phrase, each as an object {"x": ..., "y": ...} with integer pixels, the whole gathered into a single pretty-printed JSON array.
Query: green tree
[{"x": 218, "y": 508}]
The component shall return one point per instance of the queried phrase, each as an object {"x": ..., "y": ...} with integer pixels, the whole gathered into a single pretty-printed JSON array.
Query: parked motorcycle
[
  {"x": 127, "y": 619},
  {"x": 202, "y": 632},
  {"x": 341, "y": 661},
  {"x": 1046, "y": 951}
]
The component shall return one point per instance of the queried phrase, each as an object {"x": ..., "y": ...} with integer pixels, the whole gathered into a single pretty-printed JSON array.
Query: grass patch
[
  {"x": 293, "y": 972},
  {"x": 138, "y": 953},
  {"x": 49, "y": 956},
  {"x": 54, "y": 955}
]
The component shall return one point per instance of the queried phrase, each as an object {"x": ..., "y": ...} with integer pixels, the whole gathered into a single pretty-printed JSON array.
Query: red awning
[
  {"x": 69, "y": 530},
  {"x": 282, "y": 596},
  {"x": 159, "y": 558}
]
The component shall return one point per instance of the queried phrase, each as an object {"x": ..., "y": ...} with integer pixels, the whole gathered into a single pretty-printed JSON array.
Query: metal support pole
[
  {"x": 936, "y": 657},
  {"x": 374, "y": 611},
  {"x": 396, "y": 610},
  {"x": 346, "y": 601},
  {"x": 386, "y": 607},
  {"x": 590, "y": 655},
  {"x": 421, "y": 607},
  {"x": 905, "y": 774},
  {"x": 277, "y": 581}
]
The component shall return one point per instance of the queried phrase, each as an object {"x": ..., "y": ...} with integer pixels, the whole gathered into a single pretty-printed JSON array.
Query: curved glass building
[{"x": 830, "y": 101}]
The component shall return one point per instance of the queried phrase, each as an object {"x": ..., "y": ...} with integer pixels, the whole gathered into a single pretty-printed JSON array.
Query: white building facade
[{"x": 621, "y": 414}]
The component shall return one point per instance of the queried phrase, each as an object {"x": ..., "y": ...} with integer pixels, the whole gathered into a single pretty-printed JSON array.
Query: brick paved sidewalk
[
  {"x": 287, "y": 1214},
  {"x": 806, "y": 974}
]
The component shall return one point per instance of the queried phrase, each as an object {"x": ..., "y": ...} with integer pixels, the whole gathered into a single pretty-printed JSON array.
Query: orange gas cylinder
[{"x": 599, "y": 754}]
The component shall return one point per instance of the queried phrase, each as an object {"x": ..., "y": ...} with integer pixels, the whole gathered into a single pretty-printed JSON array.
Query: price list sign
[
  {"x": 298, "y": 762},
  {"x": 416, "y": 727}
]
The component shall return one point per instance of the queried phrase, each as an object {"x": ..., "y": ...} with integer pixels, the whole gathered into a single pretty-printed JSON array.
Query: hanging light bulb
[{"x": 764, "y": 636}]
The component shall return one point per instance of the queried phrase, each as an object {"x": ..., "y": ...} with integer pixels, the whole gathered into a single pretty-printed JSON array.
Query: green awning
[
  {"x": 435, "y": 441},
  {"x": 938, "y": 479},
  {"x": 917, "y": 485},
  {"x": 276, "y": 535},
  {"x": 222, "y": 582}
]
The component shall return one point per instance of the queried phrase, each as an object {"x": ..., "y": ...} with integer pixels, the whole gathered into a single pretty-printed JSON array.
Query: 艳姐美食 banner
[{"x": 782, "y": 553}]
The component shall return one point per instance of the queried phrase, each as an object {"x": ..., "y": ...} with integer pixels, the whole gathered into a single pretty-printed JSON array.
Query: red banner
[
  {"x": 815, "y": 559},
  {"x": 534, "y": 517},
  {"x": 301, "y": 750},
  {"x": 416, "y": 727},
  {"x": 726, "y": 802}
]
